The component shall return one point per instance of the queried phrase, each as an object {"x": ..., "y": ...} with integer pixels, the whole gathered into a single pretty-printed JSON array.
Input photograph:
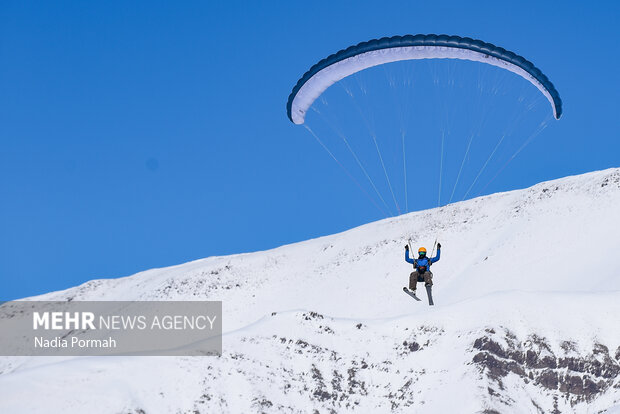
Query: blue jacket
[{"x": 426, "y": 261}]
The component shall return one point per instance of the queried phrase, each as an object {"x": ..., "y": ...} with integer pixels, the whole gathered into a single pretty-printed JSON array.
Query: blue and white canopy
[{"x": 392, "y": 49}]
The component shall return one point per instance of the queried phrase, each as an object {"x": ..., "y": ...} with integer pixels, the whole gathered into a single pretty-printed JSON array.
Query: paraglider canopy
[{"x": 392, "y": 49}]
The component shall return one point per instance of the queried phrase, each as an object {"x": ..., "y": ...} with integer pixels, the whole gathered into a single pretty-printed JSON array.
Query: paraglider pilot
[{"x": 422, "y": 266}]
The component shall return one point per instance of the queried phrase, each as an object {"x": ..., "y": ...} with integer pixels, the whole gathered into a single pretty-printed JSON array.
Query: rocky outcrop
[{"x": 564, "y": 373}]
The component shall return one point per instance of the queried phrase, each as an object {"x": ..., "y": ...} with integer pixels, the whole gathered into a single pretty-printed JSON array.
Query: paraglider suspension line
[{"x": 345, "y": 170}]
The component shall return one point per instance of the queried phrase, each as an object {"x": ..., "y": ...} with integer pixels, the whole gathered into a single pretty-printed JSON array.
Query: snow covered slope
[{"x": 527, "y": 319}]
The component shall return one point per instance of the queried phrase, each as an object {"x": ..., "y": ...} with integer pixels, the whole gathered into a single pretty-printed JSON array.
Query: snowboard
[{"x": 410, "y": 293}]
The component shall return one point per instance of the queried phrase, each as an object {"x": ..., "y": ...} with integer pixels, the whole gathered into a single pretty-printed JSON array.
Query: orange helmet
[{"x": 421, "y": 249}]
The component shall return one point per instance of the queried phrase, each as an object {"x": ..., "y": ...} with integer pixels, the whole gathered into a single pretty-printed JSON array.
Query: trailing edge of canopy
[{"x": 392, "y": 49}]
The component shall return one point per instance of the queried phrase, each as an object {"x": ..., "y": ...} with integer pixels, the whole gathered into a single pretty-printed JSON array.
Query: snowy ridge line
[
  {"x": 389, "y": 220},
  {"x": 436, "y": 312},
  {"x": 403, "y": 219}
]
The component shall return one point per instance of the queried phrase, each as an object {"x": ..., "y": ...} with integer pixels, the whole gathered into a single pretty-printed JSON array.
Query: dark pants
[{"x": 415, "y": 277}]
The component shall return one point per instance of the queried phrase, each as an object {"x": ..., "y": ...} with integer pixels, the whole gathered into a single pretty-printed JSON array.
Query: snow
[{"x": 323, "y": 324}]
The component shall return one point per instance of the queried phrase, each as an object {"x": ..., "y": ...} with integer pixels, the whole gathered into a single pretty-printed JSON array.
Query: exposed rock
[
  {"x": 575, "y": 378},
  {"x": 548, "y": 379}
]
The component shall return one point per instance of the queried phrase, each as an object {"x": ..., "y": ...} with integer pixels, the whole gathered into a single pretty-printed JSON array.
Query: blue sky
[{"x": 136, "y": 135}]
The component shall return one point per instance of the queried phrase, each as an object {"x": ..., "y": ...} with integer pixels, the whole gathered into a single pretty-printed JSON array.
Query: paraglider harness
[{"x": 421, "y": 269}]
